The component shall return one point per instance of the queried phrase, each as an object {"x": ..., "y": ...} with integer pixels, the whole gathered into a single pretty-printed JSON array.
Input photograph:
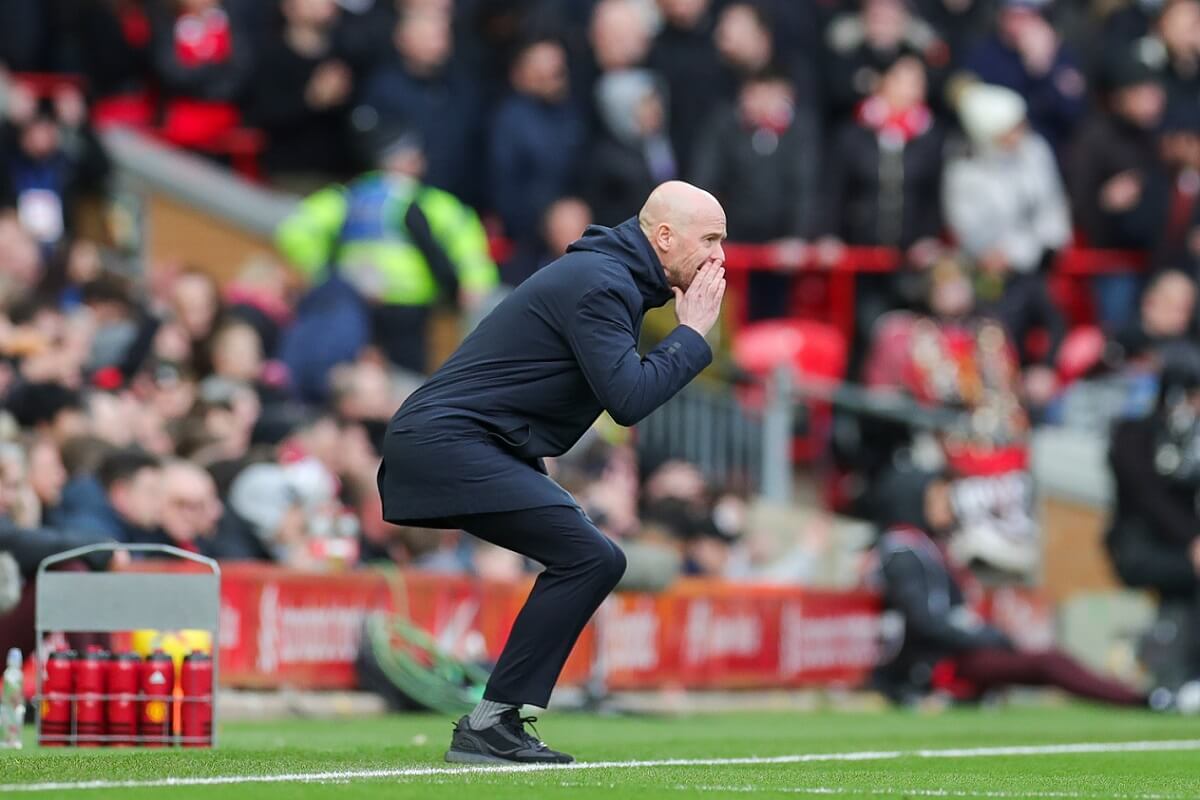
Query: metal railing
[
  {"x": 709, "y": 427},
  {"x": 732, "y": 442}
]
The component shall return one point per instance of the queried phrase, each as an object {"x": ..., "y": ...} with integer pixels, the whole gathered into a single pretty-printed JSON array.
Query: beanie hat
[{"x": 988, "y": 112}]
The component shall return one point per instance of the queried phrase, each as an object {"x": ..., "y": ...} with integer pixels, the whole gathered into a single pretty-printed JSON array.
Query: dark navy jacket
[{"x": 532, "y": 378}]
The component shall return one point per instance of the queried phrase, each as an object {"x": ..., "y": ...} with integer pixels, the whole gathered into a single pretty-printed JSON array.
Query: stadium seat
[{"x": 817, "y": 353}]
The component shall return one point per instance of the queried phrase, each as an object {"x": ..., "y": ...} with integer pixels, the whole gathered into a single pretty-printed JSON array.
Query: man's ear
[{"x": 664, "y": 236}]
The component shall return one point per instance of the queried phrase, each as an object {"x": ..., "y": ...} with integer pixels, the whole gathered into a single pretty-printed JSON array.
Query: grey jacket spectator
[
  {"x": 634, "y": 154},
  {"x": 1005, "y": 195}
]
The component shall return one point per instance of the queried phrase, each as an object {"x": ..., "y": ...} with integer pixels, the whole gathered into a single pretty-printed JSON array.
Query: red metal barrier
[{"x": 1073, "y": 267}]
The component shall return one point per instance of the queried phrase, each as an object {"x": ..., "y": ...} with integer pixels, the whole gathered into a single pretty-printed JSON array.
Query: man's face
[
  {"x": 1142, "y": 104},
  {"x": 620, "y": 37},
  {"x": 1179, "y": 27},
  {"x": 310, "y": 12},
  {"x": 739, "y": 37},
  {"x": 1168, "y": 307},
  {"x": 767, "y": 103},
  {"x": 694, "y": 244},
  {"x": 139, "y": 498},
  {"x": 885, "y": 22},
  {"x": 190, "y": 506},
  {"x": 683, "y": 13},
  {"x": 565, "y": 222},
  {"x": 542, "y": 72},
  {"x": 424, "y": 40},
  {"x": 46, "y": 472},
  {"x": 40, "y": 139},
  {"x": 111, "y": 417},
  {"x": 903, "y": 85}
]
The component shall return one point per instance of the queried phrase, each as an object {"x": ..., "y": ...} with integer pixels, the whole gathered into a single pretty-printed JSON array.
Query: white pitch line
[
  {"x": 800, "y": 758},
  {"x": 889, "y": 792},
  {"x": 857, "y": 792}
]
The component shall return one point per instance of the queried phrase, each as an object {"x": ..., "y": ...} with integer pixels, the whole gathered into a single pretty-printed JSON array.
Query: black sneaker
[{"x": 506, "y": 742}]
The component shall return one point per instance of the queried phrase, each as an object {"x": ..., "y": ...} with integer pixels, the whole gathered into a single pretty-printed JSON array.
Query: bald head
[{"x": 685, "y": 225}]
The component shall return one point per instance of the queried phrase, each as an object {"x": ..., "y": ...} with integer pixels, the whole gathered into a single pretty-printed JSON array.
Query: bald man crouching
[{"x": 465, "y": 450}]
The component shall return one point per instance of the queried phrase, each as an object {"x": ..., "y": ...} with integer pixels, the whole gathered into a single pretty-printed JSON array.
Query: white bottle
[{"x": 12, "y": 702}]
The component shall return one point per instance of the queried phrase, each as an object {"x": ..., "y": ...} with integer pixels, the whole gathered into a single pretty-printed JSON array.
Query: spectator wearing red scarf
[
  {"x": 883, "y": 182},
  {"x": 202, "y": 57}
]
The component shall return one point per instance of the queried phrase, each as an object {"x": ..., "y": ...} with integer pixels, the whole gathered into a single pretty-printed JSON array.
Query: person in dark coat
[
  {"x": 425, "y": 85},
  {"x": 1167, "y": 46},
  {"x": 1026, "y": 55},
  {"x": 123, "y": 501},
  {"x": 299, "y": 94},
  {"x": 884, "y": 182},
  {"x": 934, "y": 641},
  {"x": 1119, "y": 183},
  {"x": 761, "y": 159},
  {"x": 465, "y": 450},
  {"x": 862, "y": 44},
  {"x": 684, "y": 54},
  {"x": 537, "y": 137},
  {"x": 1153, "y": 540}
]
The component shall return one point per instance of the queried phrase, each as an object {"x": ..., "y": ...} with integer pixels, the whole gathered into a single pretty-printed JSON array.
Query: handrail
[{"x": 740, "y": 257}]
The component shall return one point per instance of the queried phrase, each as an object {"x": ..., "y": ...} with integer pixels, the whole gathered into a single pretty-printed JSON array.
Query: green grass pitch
[{"x": 1057, "y": 752}]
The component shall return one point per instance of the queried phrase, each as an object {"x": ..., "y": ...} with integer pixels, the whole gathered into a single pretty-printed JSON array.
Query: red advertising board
[{"x": 286, "y": 628}]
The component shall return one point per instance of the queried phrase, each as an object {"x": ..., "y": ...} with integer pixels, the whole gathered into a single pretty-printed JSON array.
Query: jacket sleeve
[
  {"x": 1053, "y": 220},
  {"x": 908, "y": 591},
  {"x": 435, "y": 255},
  {"x": 630, "y": 386},
  {"x": 29, "y": 546},
  {"x": 307, "y": 237}
]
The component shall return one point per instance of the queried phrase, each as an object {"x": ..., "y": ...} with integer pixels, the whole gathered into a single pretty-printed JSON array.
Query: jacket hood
[
  {"x": 618, "y": 95},
  {"x": 629, "y": 245},
  {"x": 901, "y": 499}
]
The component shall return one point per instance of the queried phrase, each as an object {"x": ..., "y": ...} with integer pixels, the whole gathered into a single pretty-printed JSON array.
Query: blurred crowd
[{"x": 978, "y": 138}]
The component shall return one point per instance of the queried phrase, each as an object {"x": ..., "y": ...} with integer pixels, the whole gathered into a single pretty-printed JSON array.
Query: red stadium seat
[{"x": 817, "y": 353}]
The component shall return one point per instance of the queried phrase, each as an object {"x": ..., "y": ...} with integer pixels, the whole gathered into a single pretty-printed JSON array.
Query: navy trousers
[{"x": 582, "y": 567}]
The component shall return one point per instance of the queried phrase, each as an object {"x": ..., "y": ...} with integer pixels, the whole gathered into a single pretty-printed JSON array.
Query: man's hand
[
  {"x": 1121, "y": 192},
  {"x": 1195, "y": 554},
  {"x": 700, "y": 305},
  {"x": 329, "y": 86},
  {"x": 1038, "y": 45}
]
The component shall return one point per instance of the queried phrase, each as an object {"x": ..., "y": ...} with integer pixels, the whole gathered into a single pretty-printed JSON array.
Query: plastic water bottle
[{"x": 12, "y": 702}]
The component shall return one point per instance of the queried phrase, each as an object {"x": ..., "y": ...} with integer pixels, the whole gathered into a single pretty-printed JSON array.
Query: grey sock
[{"x": 487, "y": 714}]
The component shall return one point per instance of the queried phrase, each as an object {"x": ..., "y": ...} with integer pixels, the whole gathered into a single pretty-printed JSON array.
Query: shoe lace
[{"x": 518, "y": 724}]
